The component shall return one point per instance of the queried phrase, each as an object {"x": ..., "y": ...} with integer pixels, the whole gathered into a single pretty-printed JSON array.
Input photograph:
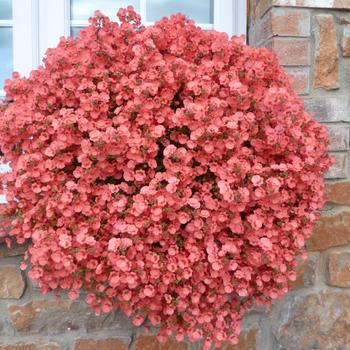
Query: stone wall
[{"x": 312, "y": 39}]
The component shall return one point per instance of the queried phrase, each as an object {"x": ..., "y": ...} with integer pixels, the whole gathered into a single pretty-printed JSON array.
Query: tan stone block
[
  {"x": 100, "y": 344},
  {"x": 335, "y": 4},
  {"x": 339, "y": 137},
  {"x": 300, "y": 79},
  {"x": 338, "y": 269},
  {"x": 281, "y": 22},
  {"x": 305, "y": 272},
  {"x": 331, "y": 231},
  {"x": 290, "y": 22},
  {"x": 338, "y": 192},
  {"x": 150, "y": 342},
  {"x": 31, "y": 316},
  {"x": 291, "y": 51},
  {"x": 12, "y": 283},
  {"x": 19, "y": 346},
  {"x": 346, "y": 42},
  {"x": 317, "y": 321},
  {"x": 23, "y": 346},
  {"x": 326, "y": 56},
  {"x": 62, "y": 316},
  {"x": 339, "y": 170},
  {"x": 329, "y": 108}
]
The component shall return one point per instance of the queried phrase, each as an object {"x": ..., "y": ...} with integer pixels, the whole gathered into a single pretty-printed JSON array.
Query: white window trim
[
  {"x": 39, "y": 24},
  {"x": 54, "y": 22},
  {"x": 25, "y": 28},
  {"x": 5, "y": 23},
  {"x": 25, "y": 35},
  {"x": 230, "y": 16}
]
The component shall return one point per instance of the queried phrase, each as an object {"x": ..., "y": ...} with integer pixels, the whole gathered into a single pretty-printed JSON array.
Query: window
[
  {"x": 150, "y": 10},
  {"x": 5, "y": 41},
  {"x": 18, "y": 37},
  {"x": 224, "y": 15},
  {"x": 29, "y": 27}
]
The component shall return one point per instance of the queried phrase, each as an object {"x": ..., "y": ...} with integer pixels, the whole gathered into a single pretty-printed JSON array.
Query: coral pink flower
[{"x": 166, "y": 171}]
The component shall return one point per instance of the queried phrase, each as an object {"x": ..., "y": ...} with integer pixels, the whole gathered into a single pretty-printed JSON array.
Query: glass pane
[
  {"x": 82, "y": 9},
  {"x": 199, "y": 10},
  {"x": 5, "y": 168},
  {"x": 74, "y": 31},
  {"x": 5, "y": 54},
  {"x": 5, "y": 9}
]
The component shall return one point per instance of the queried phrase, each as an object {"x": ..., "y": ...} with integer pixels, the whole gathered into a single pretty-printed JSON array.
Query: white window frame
[
  {"x": 24, "y": 25},
  {"x": 229, "y": 16},
  {"x": 5, "y": 23},
  {"x": 54, "y": 22},
  {"x": 38, "y": 25}
]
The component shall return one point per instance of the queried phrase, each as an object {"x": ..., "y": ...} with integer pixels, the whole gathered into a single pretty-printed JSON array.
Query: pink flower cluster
[{"x": 167, "y": 171}]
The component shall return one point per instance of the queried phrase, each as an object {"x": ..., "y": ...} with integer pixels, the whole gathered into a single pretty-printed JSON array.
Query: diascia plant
[{"x": 167, "y": 171}]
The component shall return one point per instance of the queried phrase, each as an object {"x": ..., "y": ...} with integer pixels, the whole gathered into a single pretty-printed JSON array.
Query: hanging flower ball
[{"x": 168, "y": 171}]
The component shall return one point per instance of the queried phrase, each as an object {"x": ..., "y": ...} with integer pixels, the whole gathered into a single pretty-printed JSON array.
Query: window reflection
[
  {"x": 82, "y": 9},
  {"x": 5, "y": 9},
  {"x": 74, "y": 31},
  {"x": 5, "y": 54},
  {"x": 200, "y": 10}
]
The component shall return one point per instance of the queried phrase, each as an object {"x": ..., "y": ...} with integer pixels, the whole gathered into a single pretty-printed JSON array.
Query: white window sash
[
  {"x": 25, "y": 35},
  {"x": 38, "y": 25},
  {"x": 25, "y": 28},
  {"x": 5, "y": 23},
  {"x": 54, "y": 22},
  {"x": 230, "y": 16}
]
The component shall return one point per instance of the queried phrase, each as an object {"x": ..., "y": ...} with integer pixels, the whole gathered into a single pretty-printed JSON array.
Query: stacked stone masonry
[{"x": 312, "y": 40}]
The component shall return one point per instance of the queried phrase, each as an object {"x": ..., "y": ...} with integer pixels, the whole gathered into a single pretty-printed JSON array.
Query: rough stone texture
[
  {"x": 338, "y": 269},
  {"x": 346, "y": 42},
  {"x": 49, "y": 346},
  {"x": 339, "y": 137},
  {"x": 331, "y": 231},
  {"x": 150, "y": 342},
  {"x": 23, "y": 346},
  {"x": 336, "y": 4},
  {"x": 39, "y": 315},
  {"x": 264, "y": 30},
  {"x": 112, "y": 320},
  {"x": 100, "y": 344},
  {"x": 290, "y": 22},
  {"x": 339, "y": 170},
  {"x": 291, "y": 51},
  {"x": 19, "y": 346},
  {"x": 344, "y": 20},
  {"x": 306, "y": 272},
  {"x": 329, "y": 108},
  {"x": 54, "y": 317},
  {"x": 258, "y": 8},
  {"x": 12, "y": 284},
  {"x": 15, "y": 250},
  {"x": 315, "y": 322},
  {"x": 300, "y": 79},
  {"x": 282, "y": 22},
  {"x": 326, "y": 56},
  {"x": 338, "y": 192}
]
